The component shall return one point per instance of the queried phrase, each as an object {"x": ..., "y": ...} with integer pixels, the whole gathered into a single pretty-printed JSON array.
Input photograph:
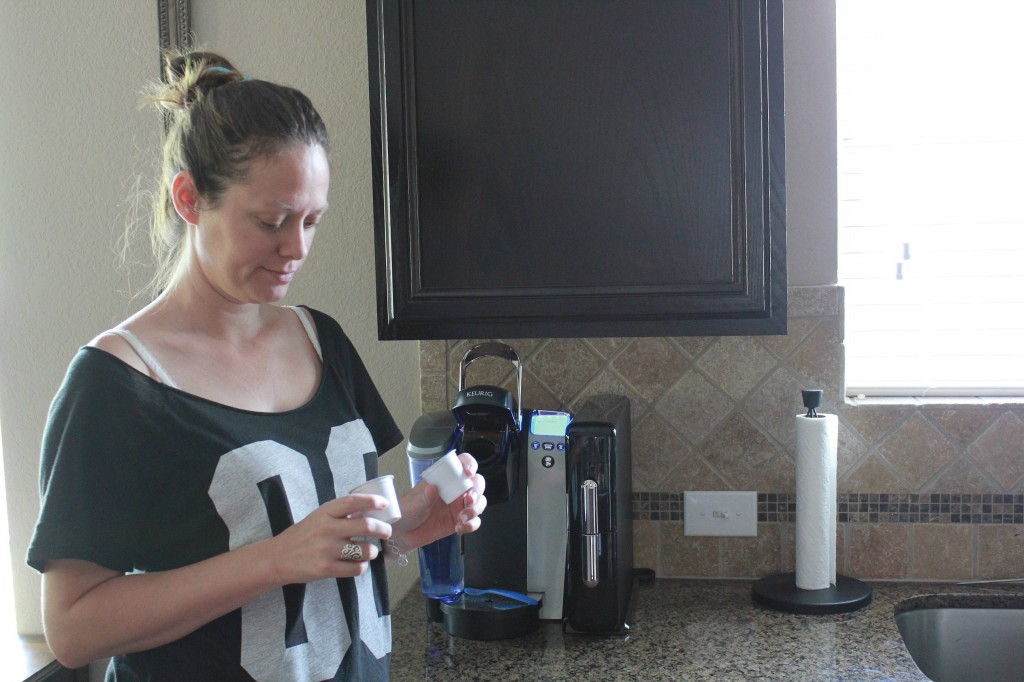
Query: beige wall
[{"x": 72, "y": 142}]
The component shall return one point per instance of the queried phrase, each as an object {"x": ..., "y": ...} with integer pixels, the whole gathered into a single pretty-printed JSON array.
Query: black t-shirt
[{"x": 140, "y": 476}]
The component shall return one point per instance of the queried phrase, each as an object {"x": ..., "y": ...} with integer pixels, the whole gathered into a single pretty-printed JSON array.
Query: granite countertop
[{"x": 682, "y": 630}]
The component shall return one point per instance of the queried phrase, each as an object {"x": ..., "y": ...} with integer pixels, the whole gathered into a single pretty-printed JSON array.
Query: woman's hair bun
[{"x": 190, "y": 75}]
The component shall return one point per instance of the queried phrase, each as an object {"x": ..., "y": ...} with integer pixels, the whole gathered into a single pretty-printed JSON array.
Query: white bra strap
[
  {"x": 307, "y": 324},
  {"x": 146, "y": 357}
]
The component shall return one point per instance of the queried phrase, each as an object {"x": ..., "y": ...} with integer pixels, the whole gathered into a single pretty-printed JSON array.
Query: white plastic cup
[
  {"x": 385, "y": 487},
  {"x": 449, "y": 476}
]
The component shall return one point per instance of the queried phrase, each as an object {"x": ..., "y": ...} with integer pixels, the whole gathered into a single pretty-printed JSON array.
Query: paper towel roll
[{"x": 817, "y": 440}]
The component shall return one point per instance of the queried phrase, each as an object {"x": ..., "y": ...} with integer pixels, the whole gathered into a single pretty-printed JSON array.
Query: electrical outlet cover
[{"x": 723, "y": 513}]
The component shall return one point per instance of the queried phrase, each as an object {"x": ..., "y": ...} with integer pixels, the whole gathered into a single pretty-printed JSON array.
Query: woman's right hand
[{"x": 312, "y": 548}]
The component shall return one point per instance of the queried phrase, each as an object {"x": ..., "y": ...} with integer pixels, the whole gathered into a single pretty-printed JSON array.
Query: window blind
[{"x": 931, "y": 196}]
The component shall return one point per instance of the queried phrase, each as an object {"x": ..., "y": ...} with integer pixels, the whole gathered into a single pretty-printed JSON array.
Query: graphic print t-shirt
[{"x": 138, "y": 476}]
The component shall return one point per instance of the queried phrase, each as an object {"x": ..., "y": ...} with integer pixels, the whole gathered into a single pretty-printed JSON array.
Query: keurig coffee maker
[{"x": 519, "y": 566}]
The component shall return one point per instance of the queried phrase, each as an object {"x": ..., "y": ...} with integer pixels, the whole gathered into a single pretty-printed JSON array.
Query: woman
[{"x": 196, "y": 522}]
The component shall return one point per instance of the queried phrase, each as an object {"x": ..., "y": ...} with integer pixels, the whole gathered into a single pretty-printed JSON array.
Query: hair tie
[{"x": 221, "y": 69}]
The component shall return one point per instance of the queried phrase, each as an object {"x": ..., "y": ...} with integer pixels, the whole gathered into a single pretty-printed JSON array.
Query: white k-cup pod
[
  {"x": 385, "y": 487},
  {"x": 449, "y": 476}
]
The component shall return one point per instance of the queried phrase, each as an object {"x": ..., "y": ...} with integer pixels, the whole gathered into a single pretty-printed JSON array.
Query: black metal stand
[{"x": 780, "y": 592}]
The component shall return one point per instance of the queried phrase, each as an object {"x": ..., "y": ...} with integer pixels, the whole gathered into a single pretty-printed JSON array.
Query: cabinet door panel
[{"x": 577, "y": 167}]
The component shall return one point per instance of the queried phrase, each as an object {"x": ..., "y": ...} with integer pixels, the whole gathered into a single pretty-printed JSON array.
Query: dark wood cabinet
[{"x": 557, "y": 168}]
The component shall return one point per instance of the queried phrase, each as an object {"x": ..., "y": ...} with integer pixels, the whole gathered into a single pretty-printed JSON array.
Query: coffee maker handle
[
  {"x": 591, "y": 534},
  {"x": 493, "y": 349}
]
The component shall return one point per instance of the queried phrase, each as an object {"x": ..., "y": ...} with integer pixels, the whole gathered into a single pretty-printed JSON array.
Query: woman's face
[{"x": 249, "y": 247}]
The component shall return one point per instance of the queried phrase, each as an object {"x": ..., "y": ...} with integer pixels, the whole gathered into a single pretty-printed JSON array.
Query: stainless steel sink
[{"x": 968, "y": 637}]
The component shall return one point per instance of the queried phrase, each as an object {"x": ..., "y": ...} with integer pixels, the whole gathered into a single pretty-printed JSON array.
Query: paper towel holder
[{"x": 780, "y": 591}]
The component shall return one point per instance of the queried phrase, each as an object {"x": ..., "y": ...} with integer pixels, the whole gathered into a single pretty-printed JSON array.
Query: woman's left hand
[{"x": 426, "y": 517}]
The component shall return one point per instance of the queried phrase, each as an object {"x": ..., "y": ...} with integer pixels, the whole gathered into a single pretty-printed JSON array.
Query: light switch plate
[{"x": 726, "y": 512}]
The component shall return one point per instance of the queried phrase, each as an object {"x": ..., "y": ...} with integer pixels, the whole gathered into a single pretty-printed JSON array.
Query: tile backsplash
[{"x": 927, "y": 491}]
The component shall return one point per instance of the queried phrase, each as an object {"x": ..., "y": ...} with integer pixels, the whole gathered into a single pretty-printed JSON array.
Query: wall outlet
[{"x": 729, "y": 512}]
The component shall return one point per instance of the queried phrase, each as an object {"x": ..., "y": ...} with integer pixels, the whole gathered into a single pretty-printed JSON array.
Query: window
[{"x": 931, "y": 196}]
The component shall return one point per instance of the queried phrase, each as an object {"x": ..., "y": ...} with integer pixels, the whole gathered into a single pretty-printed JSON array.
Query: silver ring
[{"x": 352, "y": 552}]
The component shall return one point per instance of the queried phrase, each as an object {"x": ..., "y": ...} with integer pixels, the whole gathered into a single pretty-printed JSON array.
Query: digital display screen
[{"x": 549, "y": 423}]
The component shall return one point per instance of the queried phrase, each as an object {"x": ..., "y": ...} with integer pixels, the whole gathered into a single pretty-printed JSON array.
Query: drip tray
[{"x": 491, "y": 614}]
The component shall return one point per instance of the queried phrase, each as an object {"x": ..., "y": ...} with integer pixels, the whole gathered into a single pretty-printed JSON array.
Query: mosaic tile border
[{"x": 996, "y": 508}]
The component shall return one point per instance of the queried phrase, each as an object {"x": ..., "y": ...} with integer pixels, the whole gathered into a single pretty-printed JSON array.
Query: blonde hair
[{"x": 218, "y": 120}]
